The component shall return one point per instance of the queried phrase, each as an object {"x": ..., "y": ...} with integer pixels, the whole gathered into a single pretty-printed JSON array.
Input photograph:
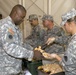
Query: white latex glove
[
  {"x": 53, "y": 55},
  {"x": 50, "y": 40},
  {"x": 49, "y": 56}
]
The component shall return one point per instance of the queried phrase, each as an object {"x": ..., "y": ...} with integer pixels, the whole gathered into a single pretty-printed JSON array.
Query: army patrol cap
[
  {"x": 32, "y": 17},
  {"x": 69, "y": 15},
  {"x": 47, "y": 17}
]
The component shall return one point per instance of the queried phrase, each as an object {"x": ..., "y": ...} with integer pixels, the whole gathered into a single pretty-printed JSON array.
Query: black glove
[{"x": 37, "y": 55}]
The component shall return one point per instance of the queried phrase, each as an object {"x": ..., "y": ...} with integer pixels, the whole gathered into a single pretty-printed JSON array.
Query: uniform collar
[
  {"x": 73, "y": 35},
  {"x": 10, "y": 19}
]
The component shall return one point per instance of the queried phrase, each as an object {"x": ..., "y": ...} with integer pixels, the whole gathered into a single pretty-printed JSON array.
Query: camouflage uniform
[
  {"x": 35, "y": 39},
  {"x": 36, "y": 36},
  {"x": 11, "y": 50},
  {"x": 69, "y": 59},
  {"x": 58, "y": 46}
]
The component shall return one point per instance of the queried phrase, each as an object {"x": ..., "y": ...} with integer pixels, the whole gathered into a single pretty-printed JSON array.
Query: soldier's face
[
  {"x": 67, "y": 27},
  {"x": 47, "y": 24},
  {"x": 34, "y": 22},
  {"x": 19, "y": 18}
]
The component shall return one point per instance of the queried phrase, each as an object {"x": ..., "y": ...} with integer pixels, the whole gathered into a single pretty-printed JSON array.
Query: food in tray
[
  {"x": 51, "y": 68},
  {"x": 46, "y": 55},
  {"x": 39, "y": 49}
]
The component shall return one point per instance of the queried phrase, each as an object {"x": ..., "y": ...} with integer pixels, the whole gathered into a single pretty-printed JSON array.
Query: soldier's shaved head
[
  {"x": 18, "y": 14},
  {"x": 18, "y": 7}
]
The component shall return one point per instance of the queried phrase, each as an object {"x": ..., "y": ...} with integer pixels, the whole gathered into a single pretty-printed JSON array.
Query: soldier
[
  {"x": 69, "y": 59},
  {"x": 11, "y": 49},
  {"x": 35, "y": 38},
  {"x": 52, "y": 31}
]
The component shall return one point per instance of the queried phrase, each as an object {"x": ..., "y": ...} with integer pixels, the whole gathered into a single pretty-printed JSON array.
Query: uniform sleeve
[
  {"x": 42, "y": 34},
  {"x": 69, "y": 59},
  {"x": 12, "y": 47},
  {"x": 62, "y": 39}
]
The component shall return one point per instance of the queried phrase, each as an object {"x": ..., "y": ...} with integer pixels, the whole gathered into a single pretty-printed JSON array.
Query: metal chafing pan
[{"x": 40, "y": 72}]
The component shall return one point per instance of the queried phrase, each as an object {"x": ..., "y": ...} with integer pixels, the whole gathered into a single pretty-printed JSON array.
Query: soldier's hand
[
  {"x": 46, "y": 55},
  {"x": 50, "y": 40},
  {"x": 56, "y": 56},
  {"x": 49, "y": 56},
  {"x": 37, "y": 55},
  {"x": 53, "y": 55}
]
